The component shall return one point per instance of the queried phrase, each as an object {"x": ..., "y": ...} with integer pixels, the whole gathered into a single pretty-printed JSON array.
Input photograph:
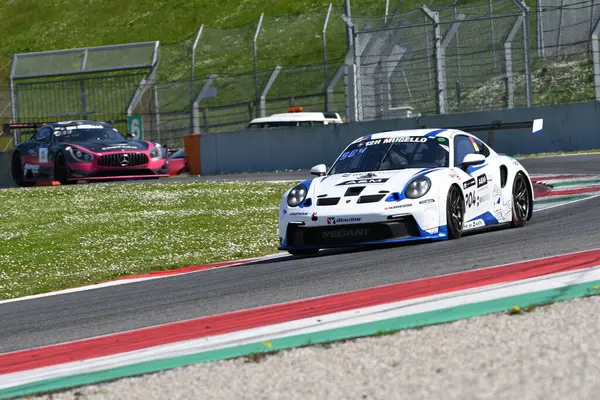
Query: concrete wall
[
  {"x": 567, "y": 127},
  {"x": 5, "y": 178}
]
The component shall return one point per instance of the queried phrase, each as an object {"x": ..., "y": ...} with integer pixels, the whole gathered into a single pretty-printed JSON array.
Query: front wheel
[
  {"x": 303, "y": 252},
  {"x": 61, "y": 170},
  {"x": 521, "y": 201},
  {"x": 455, "y": 213}
]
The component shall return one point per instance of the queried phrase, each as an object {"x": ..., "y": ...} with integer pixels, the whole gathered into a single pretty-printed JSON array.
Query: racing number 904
[{"x": 470, "y": 199}]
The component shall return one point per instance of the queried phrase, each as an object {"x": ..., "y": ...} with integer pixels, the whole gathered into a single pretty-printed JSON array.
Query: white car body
[
  {"x": 486, "y": 190},
  {"x": 296, "y": 119}
]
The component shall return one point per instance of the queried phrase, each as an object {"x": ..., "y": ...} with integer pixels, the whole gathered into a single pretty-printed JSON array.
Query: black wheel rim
[
  {"x": 521, "y": 198},
  {"x": 456, "y": 210}
]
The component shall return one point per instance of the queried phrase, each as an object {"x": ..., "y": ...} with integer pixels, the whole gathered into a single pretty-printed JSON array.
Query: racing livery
[
  {"x": 71, "y": 151},
  {"x": 421, "y": 184}
]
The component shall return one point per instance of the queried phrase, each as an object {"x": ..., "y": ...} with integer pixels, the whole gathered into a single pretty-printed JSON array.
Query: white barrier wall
[{"x": 567, "y": 127}]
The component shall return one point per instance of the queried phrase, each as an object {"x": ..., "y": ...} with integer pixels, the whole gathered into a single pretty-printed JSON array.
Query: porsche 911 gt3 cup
[{"x": 405, "y": 185}]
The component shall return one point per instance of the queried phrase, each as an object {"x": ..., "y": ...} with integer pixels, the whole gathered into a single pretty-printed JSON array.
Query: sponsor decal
[
  {"x": 481, "y": 180},
  {"x": 482, "y": 199},
  {"x": 32, "y": 168},
  {"x": 502, "y": 209},
  {"x": 342, "y": 220},
  {"x": 119, "y": 147},
  {"x": 469, "y": 183},
  {"x": 453, "y": 174},
  {"x": 478, "y": 223},
  {"x": 348, "y": 201},
  {"x": 314, "y": 216},
  {"x": 32, "y": 152},
  {"x": 398, "y": 139},
  {"x": 427, "y": 201},
  {"x": 345, "y": 233},
  {"x": 284, "y": 212},
  {"x": 432, "y": 231},
  {"x": 470, "y": 199},
  {"x": 298, "y": 214},
  {"x": 43, "y": 154},
  {"x": 363, "y": 181},
  {"x": 398, "y": 206}
]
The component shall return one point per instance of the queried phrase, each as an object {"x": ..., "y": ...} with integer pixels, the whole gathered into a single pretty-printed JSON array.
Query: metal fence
[{"x": 394, "y": 63}]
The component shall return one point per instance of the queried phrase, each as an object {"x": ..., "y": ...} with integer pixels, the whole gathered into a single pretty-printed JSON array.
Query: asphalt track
[{"x": 50, "y": 320}]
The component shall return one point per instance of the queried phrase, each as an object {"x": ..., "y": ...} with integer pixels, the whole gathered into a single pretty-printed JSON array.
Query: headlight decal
[
  {"x": 80, "y": 155},
  {"x": 156, "y": 152}
]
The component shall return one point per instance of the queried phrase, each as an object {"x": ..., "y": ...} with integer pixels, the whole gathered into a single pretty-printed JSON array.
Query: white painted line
[
  {"x": 307, "y": 325},
  {"x": 125, "y": 281},
  {"x": 563, "y": 203}
]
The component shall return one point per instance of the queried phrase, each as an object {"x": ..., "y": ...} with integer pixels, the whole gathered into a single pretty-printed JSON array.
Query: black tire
[
  {"x": 303, "y": 252},
  {"x": 17, "y": 172},
  {"x": 61, "y": 170},
  {"x": 455, "y": 212},
  {"x": 521, "y": 201}
]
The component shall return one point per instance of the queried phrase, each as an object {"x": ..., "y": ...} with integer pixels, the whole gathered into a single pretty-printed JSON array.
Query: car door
[
  {"x": 477, "y": 183},
  {"x": 39, "y": 152}
]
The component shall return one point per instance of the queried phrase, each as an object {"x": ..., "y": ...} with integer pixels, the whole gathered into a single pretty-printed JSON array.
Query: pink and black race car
[{"x": 84, "y": 150}]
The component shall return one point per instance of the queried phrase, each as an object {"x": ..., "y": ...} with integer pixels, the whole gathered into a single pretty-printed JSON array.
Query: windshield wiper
[{"x": 384, "y": 156}]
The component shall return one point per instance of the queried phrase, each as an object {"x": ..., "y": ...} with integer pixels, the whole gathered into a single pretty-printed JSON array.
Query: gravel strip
[{"x": 550, "y": 353}]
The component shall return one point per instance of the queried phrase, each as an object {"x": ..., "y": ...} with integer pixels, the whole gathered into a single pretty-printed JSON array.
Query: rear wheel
[
  {"x": 303, "y": 252},
  {"x": 455, "y": 213},
  {"x": 17, "y": 172},
  {"x": 521, "y": 201}
]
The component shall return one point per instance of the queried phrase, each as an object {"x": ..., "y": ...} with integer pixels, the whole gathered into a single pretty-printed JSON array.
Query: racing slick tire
[
  {"x": 61, "y": 170},
  {"x": 521, "y": 201},
  {"x": 17, "y": 171},
  {"x": 303, "y": 252},
  {"x": 455, "y": 212}
]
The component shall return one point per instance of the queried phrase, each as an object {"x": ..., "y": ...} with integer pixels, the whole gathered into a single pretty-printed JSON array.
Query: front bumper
[
  {"x": 304, "y": 230},
  {"x": 91, "y": 171}
]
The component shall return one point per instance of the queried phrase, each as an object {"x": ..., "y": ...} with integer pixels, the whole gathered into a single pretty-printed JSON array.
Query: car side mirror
[
  {"x": 130, "y": 136},
  {"x": 319, "y": 170},
  {"x": 472, "y": 159}
]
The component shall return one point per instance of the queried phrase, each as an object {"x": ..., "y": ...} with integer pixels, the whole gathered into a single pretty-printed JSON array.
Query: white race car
[{"x": 407, "y": 185}]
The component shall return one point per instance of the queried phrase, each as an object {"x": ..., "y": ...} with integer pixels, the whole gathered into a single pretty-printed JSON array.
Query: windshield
[
  {"x": 393, "y": 153},
  {"x": 87, "y": 133}
]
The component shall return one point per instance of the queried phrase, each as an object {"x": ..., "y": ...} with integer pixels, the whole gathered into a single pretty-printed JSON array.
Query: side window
[
  {"x": 44, "y": 134},
  {"x": 481, "y": 148},
  {"x": 462, "y": 147}
]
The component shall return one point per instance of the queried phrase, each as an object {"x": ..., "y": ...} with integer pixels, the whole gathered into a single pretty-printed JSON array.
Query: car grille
[
  {"x": 328, "y": 201},
  {"x": 123, "y": 160},
  {"x": 298, "y": 236},
  {"x": 372, "y": 198}
]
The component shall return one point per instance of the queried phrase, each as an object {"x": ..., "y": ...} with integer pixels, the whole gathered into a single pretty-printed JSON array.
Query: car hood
[
  {"x": 373, "y": 182},
  {"x": 110, "y": 146}
]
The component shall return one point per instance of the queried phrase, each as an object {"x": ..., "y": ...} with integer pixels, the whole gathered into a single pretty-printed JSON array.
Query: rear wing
[{"x": 536, "y": 127}]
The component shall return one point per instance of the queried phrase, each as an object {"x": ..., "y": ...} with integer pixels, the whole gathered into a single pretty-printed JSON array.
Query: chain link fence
[{"x": 396, "y": 63}]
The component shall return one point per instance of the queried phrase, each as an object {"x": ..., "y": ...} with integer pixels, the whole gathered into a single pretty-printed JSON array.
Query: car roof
[
  {"x": 447, "y": 133},
  {"x": 77, "y": 122},
  {"x": 298, "y": 116}
]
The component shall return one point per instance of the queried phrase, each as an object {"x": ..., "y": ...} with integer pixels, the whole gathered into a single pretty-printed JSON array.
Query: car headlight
[
  {"x": 418, "y": 188},
  {"x": 80, "y": 155},
  {"x": 156, "y": 152},
  {"x": 296, "y": 195}
]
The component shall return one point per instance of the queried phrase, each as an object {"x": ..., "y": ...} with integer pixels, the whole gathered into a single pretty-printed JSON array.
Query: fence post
[
  {"x": 263, "y": 95},
  {"x": 540, "y": 28},
  {"x": 439, "y": 60},
  {"x": 193, "y": 76},
  {"x": 356, "y": 93},
  {"x": 596, "y": 58},
  {"x": 526, "y": 48},
  {"x": 457, "y": 45},
  {"x": 349, "y": 35},
  {"x": 509, "y": 83},
  {"x": 350, "y": 98},
  {"x": 204, "y": 93},
  {"x": 257, "y": 94},
  {"x": 325, "y": 48}
]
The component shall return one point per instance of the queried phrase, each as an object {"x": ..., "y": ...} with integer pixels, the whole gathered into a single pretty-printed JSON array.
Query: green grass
[{"x": 55, "y": 238}]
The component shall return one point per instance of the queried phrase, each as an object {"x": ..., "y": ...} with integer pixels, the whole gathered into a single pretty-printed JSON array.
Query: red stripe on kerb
[{"x": 263, "y": 316}]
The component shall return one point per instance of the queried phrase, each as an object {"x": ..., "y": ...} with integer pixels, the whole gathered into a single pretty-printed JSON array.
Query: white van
[{"x": 295, "y": 117}]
